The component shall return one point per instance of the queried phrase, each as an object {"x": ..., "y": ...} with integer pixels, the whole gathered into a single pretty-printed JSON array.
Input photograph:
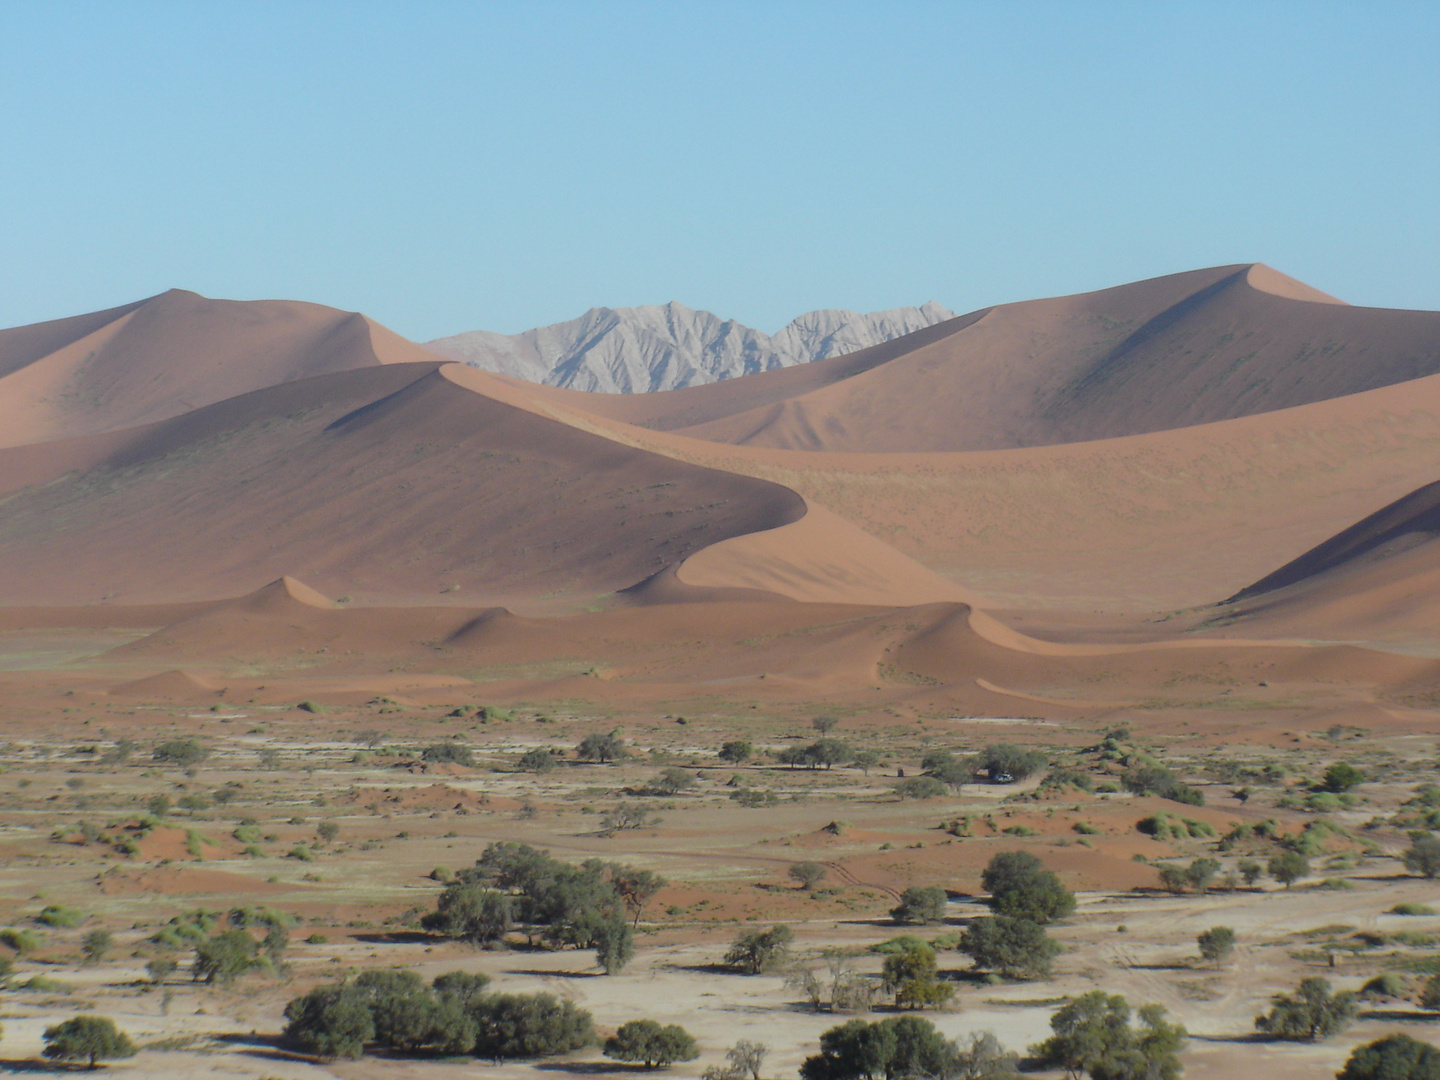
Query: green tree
[
  {"x": 89, "y": 1039},
  {"x": 1250, "y": 871},
  {"x": 1201, "y": 873},
  {"x": 757, "y": 951},
  {"x": 1016, "y": 948},
  {"x": 865, "y": 760},
  {"x": 465, "y": 987},
  {"x": 470, "y": 912},
  {"x": 1093, "y": 1036},
  {"x": 825, "y": 724},
  {"x": 830, "y": 752},
  {"x": 742, "y": 1060},
  {"x": 736, "y": 751},
  {"x": 529, "y": 1026},
  {"x": 1288, "y": 867},
  {"x": 1395, "y": 1057},
  {"x": 648, "y": 1042},
  {"x": 225, "y": 957},
  {"x": 895, "y": 1047},
  {"x": 808, "y": 874},
  {"x": 1341, "y": 777},
  {"x": 1216, "y": 944},
  {"x": 912, "y": 976},
  {"x": 602, "y": 748},
  {"x": 942, "y": 766},
  {"x": 614, "y": 944},
  {"x": 1007, "y": 764},
  {"x": 327, "y": 831},
  {"x": 920, "y": 904},
  {"x": 449, "y": 753},
  {"x": 330, "y": 1022},
  {"x": 1021, "y": 887},
  {"x": 95, "y": 945},
  {"x": 1423, "y": 856},
  {"x": 1313, "y": 1012}
]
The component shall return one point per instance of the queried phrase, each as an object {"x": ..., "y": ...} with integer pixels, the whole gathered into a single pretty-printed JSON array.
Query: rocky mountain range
[{"x": 667, "y": 346}]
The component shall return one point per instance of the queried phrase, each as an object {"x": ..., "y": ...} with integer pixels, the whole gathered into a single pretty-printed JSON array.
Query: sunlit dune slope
[
  {"x": 1170, "y": 352},
  {"x": 1379, "y": 578},
  {"x": 161, "y": 357},
  {"x": 387, "y": 482},
  {"x": 1141, "y": 523}
]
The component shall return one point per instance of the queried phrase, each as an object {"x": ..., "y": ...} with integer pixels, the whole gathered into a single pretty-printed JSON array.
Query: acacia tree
[
  {"x": 756, "y": 951},
  {"x": 1288, "y": 867},
  {"x": 808, "y": 874},
  {"x": 87, "y": 1038},
  {"x": 1216, "y": 944},
  {"x": 602, "y": 748},
  {"x": 648, "y": 1042}
]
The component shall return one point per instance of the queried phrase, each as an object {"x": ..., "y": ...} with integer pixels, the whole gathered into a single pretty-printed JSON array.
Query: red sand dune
[
  {"x": 1171, "y": 352},
  {"x": 164, "y": 356}
]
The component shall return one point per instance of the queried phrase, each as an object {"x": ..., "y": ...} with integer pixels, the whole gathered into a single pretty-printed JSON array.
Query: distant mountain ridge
[{"x": 668, "y": 346}]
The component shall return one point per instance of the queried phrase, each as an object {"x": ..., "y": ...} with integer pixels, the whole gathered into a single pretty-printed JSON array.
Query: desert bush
[
  {"x": 225, "y": 957},
  {"x": 537, "y": 760},
  {"x": 1385, "y": 987},
  {"x": 452, "y": 753},
  {"x": 528, "y": 1026},
  {"x": 1341, "y": 777},
  {"x": 1413, "y": 909},
  {"x": 753, "y": 797},
  {"x": 920, "y": 787},
  {"x": 1423, "y": 856},
  {"x": 59, "y": 916},
  {"x": 96, "y": 945},
  {"x": 1155, "y": 779},
  {"x": 180, "y": 752}
]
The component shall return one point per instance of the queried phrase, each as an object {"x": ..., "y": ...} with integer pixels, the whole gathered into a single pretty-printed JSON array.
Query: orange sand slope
[
  {"x": 182, "y": 449},
  {"x": 1171, "y": 352},
  {"x": 162, "y": 357}
]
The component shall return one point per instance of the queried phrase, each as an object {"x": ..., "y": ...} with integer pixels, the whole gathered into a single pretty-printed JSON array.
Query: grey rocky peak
[{"x": 667, "y": 346}]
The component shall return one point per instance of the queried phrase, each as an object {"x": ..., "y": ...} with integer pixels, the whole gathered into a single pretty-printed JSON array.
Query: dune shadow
[
  {"x": 546, "y": 973},
  {"x": 38, "y": 1065},
  {"x": 704, "y": 969}
]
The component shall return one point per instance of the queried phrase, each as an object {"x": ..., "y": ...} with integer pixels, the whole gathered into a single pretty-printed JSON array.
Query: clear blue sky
[{"x": 446, "y": 166}]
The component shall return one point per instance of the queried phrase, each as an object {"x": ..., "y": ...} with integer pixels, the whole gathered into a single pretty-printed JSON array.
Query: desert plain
[{"x": 1184, "y": 525}]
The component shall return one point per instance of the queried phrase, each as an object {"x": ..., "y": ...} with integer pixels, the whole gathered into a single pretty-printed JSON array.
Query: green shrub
[
  {"x": 58, "y": 916},
  {"x": 1413, "y": 909}
]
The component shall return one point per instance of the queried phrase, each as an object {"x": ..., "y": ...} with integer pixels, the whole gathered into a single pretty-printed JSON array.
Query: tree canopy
[
  {"x": 87, "y": 1038},
  {"x": 646, "y": 1041},
  {"x": 1021, "y": 887},
  {"x": 1395, "y": 1057},
  {"x": 1094, "y": 1036},
  {"x": 1311, "y": 1013}
]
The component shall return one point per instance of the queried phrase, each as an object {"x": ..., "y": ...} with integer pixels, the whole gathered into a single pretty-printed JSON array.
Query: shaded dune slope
[
  {"x": 162, "y": 357},
  {"x": 390, "y": 481},
  {"x": 1380, "y": 577},
  {"x": 1170, "y": 352}
]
